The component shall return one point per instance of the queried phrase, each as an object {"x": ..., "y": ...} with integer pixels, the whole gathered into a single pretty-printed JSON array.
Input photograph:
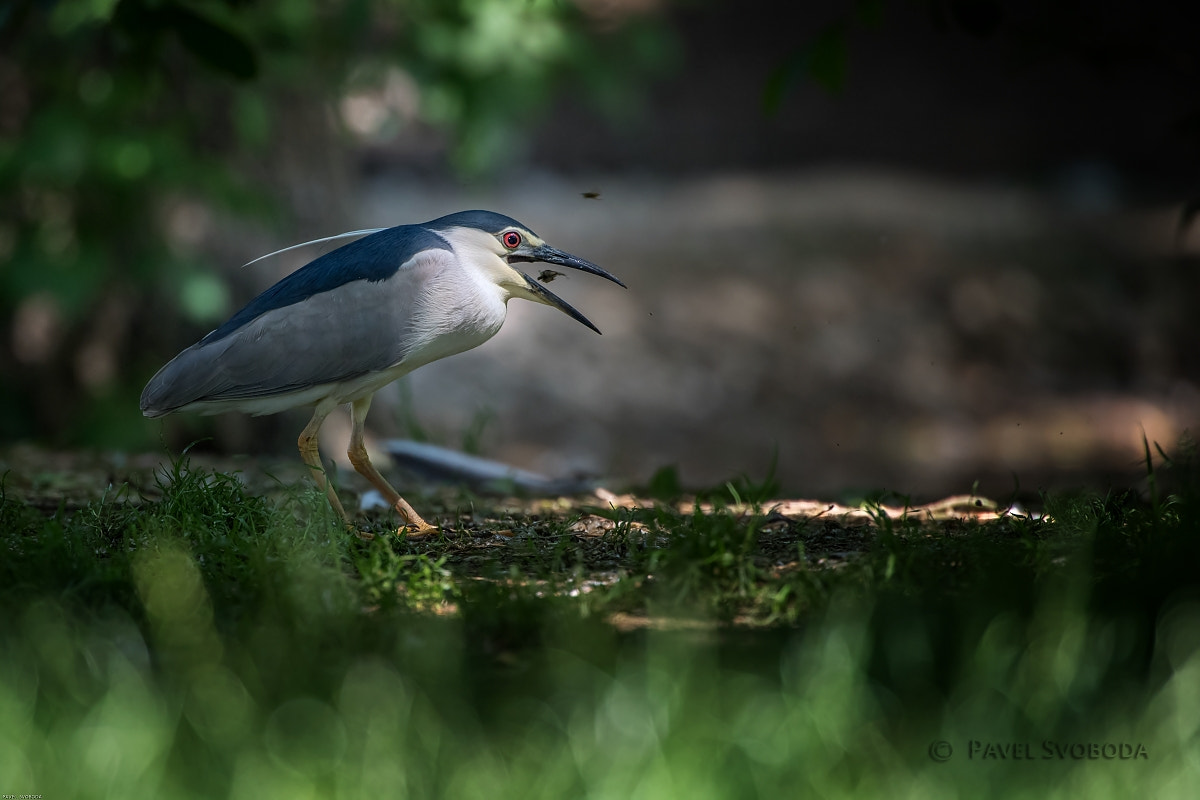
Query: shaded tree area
[
  {"x": 127, "y": 127},
  {"x": 972, "y": 88}
]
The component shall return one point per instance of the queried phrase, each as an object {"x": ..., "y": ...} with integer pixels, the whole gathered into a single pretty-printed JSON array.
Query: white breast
[{"x": 451, "y": 313}]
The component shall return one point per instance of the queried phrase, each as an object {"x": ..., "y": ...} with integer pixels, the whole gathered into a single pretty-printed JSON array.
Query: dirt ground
[{"x": 587, "y": 541}]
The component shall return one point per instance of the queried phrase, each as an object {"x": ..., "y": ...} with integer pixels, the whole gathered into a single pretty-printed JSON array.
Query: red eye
[{"x": 512, "y": 240}]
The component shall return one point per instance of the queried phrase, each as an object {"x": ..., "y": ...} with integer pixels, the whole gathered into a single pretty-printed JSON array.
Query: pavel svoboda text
[{"x": 1047, "y": 749}]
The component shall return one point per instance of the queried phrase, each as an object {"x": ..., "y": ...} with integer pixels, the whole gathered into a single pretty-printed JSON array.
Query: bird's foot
[
  {"x": 417, "y": 528},
  {"x": 413, "y": 525},
  {"x": 366, "y": 536}
]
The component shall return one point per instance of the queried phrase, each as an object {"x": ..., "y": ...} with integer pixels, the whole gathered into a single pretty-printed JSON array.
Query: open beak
[{"x": 551, "y": 255}]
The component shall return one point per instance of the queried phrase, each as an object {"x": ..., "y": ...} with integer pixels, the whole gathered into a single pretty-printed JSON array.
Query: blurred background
[{"x": 902, "y": 244}]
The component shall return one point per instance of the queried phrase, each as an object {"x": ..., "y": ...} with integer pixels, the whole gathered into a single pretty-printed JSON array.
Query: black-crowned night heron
[{"x": 352, "y": 321}]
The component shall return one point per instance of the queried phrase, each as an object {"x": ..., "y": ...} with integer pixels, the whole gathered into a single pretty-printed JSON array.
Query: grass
[{"x": 201, "y": 641}]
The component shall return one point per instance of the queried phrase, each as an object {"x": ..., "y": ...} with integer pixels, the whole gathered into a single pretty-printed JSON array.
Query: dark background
[{"x": 898, "y": 245}]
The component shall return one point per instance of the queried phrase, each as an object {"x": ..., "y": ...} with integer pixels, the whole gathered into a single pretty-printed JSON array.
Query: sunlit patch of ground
[{"x": 591, "y": 539}]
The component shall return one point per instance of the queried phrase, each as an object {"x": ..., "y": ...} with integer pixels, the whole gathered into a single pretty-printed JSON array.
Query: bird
[{"x": 357, "y": 318}]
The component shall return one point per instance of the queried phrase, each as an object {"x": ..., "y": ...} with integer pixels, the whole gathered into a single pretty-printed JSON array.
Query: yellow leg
[
  {"x": 311, "y": 455},
  {"x": 358, "y": 457}
]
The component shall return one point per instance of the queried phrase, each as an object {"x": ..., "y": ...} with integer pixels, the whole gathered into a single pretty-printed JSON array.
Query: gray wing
[{"x": 356, "y": 328}]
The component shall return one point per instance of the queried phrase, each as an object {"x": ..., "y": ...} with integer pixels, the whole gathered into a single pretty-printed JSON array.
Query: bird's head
[{"x": 492, "y": 243}]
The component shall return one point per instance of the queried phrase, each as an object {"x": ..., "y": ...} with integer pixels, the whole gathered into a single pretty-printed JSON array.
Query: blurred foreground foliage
[
  {"x": 211, "y": 643},
  {"x": 128, "y": 126}
]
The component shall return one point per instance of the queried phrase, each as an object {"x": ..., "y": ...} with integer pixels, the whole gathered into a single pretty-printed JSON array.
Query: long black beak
[{"x": 551, "y": 255}]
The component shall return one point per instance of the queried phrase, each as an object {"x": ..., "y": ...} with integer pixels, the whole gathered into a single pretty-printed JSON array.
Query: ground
[
  {"x": 570, "y": 544},
  {"x": 180, "y": 630}
]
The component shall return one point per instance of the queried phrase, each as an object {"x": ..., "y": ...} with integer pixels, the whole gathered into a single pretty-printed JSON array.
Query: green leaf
[
  {"x": 218, "y": 46},
  {"x": 664, "y": 484},
  {"x": 252, "y": 119},
  {"x": 825, "y": 61},
  {"x": 777, "y": 85}
]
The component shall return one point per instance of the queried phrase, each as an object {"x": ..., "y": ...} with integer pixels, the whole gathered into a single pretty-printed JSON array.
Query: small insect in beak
[{"x": 547, "y": 275}]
